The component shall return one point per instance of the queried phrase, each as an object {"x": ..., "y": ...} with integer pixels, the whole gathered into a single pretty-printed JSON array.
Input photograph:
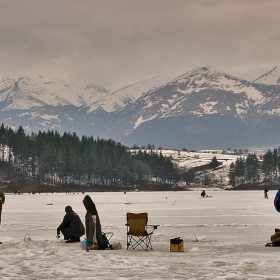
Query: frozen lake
[{"x": 232, "y": 228}]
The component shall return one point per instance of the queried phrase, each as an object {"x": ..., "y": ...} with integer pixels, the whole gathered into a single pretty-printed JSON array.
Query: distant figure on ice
[
  {"x": 71, "y": 227},
  {"x": 203, "y": 194},
  {"x": 265, "y": 192}
]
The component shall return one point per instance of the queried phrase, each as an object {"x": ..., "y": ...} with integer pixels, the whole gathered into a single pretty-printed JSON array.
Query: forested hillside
[
  {"x": 255, "y": 171},
  {"x": 54, "y": 160},
  {"x": 48, "y": 161}
]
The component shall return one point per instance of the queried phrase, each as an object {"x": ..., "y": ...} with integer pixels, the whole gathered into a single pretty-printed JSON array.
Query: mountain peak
[
  {"x": 194, "y": 72},
  {"x": 270, "y": 77},
  {"x": 26, "y": 92}
]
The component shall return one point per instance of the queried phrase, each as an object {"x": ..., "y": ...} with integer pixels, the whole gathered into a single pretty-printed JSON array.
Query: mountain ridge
[{"x": 139, "y": 108}]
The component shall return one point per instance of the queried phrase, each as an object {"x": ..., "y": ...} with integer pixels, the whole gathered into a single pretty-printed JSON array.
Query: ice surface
[{"x": 232, "y": 228}]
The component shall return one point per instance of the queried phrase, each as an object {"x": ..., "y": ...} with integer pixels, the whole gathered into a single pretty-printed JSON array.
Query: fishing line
[{"x": 121, "y": 233}]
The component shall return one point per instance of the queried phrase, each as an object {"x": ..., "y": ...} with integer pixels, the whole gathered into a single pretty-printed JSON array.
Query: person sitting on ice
[
  {"x": 71, "y": 227},
  {"x": 203, "y": 194}
]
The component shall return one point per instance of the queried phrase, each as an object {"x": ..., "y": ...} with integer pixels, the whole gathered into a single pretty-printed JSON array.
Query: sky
[{"x": 115, "y": 43}]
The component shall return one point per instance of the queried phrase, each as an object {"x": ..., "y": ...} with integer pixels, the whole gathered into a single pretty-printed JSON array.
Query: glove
[{"x": 58, "y": 232}]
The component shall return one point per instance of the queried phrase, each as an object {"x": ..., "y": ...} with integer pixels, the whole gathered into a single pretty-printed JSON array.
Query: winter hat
[{"x": 68, "y": 208}]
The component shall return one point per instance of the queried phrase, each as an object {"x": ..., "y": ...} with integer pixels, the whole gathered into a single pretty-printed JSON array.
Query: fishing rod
[{"x": 196, "y": 240}]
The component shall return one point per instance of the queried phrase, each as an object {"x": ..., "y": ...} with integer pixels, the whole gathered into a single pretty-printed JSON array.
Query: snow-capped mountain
[
  {"x": 270, "y": 77},
  {"x": 200, "y": 109},
  {"x": 25, "y": 93},
  {"x": 125, "y": 96},
  {"x": 198, "y": 92}
]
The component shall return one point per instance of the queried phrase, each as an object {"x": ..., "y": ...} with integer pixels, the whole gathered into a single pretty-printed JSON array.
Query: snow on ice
[{"x": 232, "y": 228}]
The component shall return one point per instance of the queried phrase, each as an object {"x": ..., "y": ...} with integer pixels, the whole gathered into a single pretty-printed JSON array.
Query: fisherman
[
  {"x": 71, "y": 227},
  {"x": 203, "y": 193}
]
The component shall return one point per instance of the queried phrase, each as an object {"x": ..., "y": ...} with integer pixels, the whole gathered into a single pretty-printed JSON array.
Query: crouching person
[
  {"x": 71, "y": 227},
  {"x": 275, "y": 238}
]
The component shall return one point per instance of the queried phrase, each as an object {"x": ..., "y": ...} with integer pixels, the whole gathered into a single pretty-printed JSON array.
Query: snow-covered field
[
  {"x": 232, "y": 228},
  {"x": 187, "y": 160}
]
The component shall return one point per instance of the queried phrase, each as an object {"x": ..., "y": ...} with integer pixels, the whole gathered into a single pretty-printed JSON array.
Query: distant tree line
[
  {"x": 253, "y": 170},
  {"x": 53, "y": 160}
]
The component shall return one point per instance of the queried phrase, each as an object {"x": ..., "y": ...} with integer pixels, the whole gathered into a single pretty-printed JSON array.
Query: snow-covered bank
[
  {"x": 186, "y": 160},
  {"x": 231, "y": 227}
]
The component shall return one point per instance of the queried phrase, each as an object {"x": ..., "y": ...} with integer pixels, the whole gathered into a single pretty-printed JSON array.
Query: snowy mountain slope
[
  {"x": 25, "y": 93},
  {"x": 118, "y": 99},
  {"x": 197, "y": 103},
  {"x": 199, "y": 92},
  {"x": 270, "y": 77},
  {"x": 201, "y": 107}
]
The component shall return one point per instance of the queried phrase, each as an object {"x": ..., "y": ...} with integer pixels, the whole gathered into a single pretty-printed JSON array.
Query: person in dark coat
[
  {"x": 92, "y": 222},
  {"x": 203, "y": 194},
  {"x": 71, "y": 227},
  {"x": 265, "y": 192}
]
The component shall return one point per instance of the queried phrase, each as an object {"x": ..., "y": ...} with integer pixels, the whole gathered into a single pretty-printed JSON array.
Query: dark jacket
[
  {"x": 91, "y": 227},
  {"x": 72, "y": 225},
  {"x": 2, "y": 195}
]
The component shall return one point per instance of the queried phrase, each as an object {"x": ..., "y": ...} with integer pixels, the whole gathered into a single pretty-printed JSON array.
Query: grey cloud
[{"x": 116, "y": 42}]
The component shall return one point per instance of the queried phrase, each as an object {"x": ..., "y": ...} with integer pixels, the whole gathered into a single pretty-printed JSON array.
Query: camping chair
[{"x": 137, "y": 231}]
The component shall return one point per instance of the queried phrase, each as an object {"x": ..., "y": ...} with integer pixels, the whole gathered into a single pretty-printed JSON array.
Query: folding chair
[{"x": 139, "y": 233}]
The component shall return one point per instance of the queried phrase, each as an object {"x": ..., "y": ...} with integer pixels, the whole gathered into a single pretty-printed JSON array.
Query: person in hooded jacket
[
  {"x": 71, "y": 227},
  {"x": 92, "y": 223}
]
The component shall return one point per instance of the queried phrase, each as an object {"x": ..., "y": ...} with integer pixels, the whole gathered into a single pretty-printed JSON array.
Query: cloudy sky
[{"x": 114, "y": 43}]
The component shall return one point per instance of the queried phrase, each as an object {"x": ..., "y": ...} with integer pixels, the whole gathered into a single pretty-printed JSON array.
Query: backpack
[{"x": 105, "y": 242}]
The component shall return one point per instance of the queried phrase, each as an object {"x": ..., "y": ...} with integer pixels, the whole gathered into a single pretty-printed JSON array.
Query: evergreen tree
[
  {"x": 252, "y": 165},
  {"x": 231, "y": 174},
  {"x": 240, "y": 169},
  {"x": 268, "y": 165},
  {"x": 214, "y": 163}
]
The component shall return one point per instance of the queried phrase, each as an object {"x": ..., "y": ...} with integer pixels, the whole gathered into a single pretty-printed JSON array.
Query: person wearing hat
[{"x": 71, "y": 227}]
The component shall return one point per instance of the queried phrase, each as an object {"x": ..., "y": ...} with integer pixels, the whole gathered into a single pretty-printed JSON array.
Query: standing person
[
  {"x": 92, "y": 222},
  {"x": 2, "y": 201},
  {"x": 265, "y": 192},
  {"x": 71, "y": 227}
]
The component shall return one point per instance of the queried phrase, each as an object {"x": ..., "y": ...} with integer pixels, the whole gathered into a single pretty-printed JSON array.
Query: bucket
[{"x": 176, "y": 245}]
